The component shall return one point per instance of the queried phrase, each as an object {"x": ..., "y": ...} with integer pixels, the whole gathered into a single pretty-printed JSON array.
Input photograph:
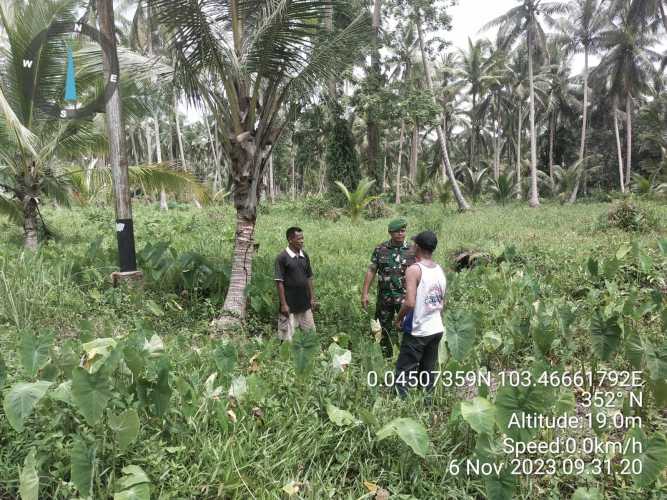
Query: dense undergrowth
[{"x": 131, "y": 394}]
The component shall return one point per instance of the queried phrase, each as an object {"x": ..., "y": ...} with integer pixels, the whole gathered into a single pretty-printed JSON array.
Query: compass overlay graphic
[{"x": 30, "y": 65}]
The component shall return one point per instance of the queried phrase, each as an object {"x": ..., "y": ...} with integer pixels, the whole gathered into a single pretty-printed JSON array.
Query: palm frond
[
  {"x": 11, "y": 209},
  {"x": 151, "y": 178},
  {"x": 15, "y": 130}
]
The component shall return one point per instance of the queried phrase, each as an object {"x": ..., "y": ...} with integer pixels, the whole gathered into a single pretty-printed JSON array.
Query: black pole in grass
[{"x": 117, "y": 153}]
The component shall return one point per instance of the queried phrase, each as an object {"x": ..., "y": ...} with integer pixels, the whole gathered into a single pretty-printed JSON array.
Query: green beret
[{"x": 397, "y": 224}]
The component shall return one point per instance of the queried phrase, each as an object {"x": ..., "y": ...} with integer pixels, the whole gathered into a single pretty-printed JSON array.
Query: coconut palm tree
[
  {"x": 523, "y": 20},
  {"x": 30, "y": 139},
  {"x": 628, "y": 66},
  {"x": 650, "y": 13},
  {"x": 266, "y": 56},
  {"x": 559, "y": 99},
  {"x": 41, "y": 156},
  {"x": 580, "y": 32},
  {"x": 504, "y": 187},
  {"x": 475, "y": 67},
  {"x": 448, "y": 171}
]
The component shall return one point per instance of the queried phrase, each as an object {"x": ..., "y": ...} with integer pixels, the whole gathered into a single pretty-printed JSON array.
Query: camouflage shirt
[{"x": 390, "y": 262}]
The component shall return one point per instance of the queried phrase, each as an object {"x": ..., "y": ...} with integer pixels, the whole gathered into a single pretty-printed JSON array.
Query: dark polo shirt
[{"x": 294, "y": 272}]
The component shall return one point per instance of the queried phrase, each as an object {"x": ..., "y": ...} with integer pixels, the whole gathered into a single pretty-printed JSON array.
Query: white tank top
[{"x": 427, "y": 319}]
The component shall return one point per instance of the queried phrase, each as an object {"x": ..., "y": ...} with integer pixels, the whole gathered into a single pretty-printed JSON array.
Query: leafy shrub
[
  {"x": 628, "y": 216},
  {"x": 444, "y": 192},
  {"x": 190, "y": 271},
  {"x": 378, "y": 209},
  {"x": 321, "y": 207}
]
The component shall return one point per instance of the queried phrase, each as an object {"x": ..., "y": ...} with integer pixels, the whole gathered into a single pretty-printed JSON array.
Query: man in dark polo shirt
[{"x": 294, "y": 281}]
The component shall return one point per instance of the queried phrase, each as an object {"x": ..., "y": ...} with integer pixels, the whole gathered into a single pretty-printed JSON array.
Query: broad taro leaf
[
  {"x": 635, "y": 350},
  {"x": 34, "y": 351},
  {"x": 662, "y": 245},
  {"x": 492, "y": 341},
  {"x": 132, "y": 475},
  {"x": 611, "y": 267},
  {"x": 28, "y": 478},
  {"x": 606, "y": 335},
  {"x": 542, "y": 329},
  {"x": 238, "y": 388},
  {"x": 566, "y": 317},
  {"x": 500, "y": 487},
  {"x": 592, "y": 266},
  {"x": 659, "y": 390},
  {"x": 480, "y": 415},
  {"x": 225, "y": 357},
  {"x": 515, "y": 401},
  {"x": 565, "y": 403},
  {"x": 460, "y": 335},
  {"x": 63, "y": 392},
  {"x": 98, "y": 352},
  {"x": 125, "y": 427},
  {"x": 340, "y": 417},
  {"x": 583, "y": 493},
  {"x": 487, "y": 449},
  {"x": 305, "y": 346},
  {"x": 21, "y": 399},
  {"x": 409, "y": 431},
  {"x": 161, "y": 394},
  {"x": 653, "y": 455},
  {"x": 154, "y": 348},
  {"x": 3, "y": 371},
  {"x": 82, "y": 466},
  {"x": 90, "y": 394},
  {"x": 656, "y": 361}
]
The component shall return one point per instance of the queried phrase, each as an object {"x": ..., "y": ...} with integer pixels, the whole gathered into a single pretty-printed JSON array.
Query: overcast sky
[{"x": 469, "y": 16}]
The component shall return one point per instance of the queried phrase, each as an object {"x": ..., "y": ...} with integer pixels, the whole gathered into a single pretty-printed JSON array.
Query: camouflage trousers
[{"x": 386, "y": 312}]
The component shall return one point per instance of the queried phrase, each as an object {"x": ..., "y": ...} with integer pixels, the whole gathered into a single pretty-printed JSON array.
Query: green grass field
[{"x": 604, "y": 298}]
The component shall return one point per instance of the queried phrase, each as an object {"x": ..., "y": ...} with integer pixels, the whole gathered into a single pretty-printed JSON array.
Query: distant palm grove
[{"x": 556, "y": 100}]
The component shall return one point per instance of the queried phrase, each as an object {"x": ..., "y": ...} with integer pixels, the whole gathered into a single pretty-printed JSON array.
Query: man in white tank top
[{"x": 425, "y": 288}]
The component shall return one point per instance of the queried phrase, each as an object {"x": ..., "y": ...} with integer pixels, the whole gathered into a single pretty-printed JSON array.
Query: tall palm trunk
[
  {"x": 117, "y": 150},
  {"x": 414, "y": 154},
  {"x": 272, "y": 189},
  {"x": 328, "y": 25},
  {"x": 133, "y": 143},
  {"x": 534, "y": 197},
  {"x": 149, "y": 142},
  {"x": 235, "y": 301},
  {"x": 158, "y": 151},
  {"x": 30, "y": 240},
  {"x": 292, "y": 164},
  {"x": 473, "y": 132},
  {"x": 518, "y": 153},
  {"x": 28, "y": 197},
  {"x": 399, "y": 162},
  {"x": 460, "y": 200},
  {"x": 496, "y": 139},
  {"x": 618, "y": 145},
  {"x": 628, "y": 131},
  {"x": 179, "y": 136},
  {"x": 552, "y": 137},
  {"x": 584, "y": 125},
  {"x": 372, "y": 128},
  {"x": 216, "y": 155}
]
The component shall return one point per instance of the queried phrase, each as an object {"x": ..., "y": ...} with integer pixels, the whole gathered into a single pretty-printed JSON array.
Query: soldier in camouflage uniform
[{"x": 389, "y": 261}]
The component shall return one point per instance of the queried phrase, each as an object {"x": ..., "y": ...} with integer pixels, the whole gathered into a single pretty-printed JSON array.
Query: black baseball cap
[{"x": 426, "y": 240}]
